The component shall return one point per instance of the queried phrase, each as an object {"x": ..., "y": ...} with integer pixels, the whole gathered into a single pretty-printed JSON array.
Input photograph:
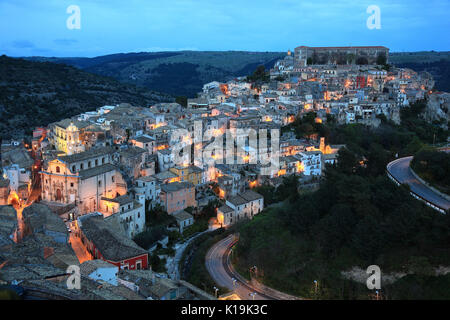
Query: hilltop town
[{"x": 83, "y": 190}]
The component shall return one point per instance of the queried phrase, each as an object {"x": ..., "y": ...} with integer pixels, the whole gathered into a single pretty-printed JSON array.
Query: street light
[
  {"x": 252, "y": 294},
  {"x": 234, "y": 282},
  {"x": 317, "y": 284},
  {"x": 216, "y": 289}
]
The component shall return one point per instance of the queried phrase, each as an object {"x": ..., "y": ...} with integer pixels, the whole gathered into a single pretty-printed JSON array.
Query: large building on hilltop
[{"x": 304, "y": 55}]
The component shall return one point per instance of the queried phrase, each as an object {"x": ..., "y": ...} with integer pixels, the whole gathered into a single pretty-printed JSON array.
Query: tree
[
  {"x": 362, "y": 61},
  {"x": 181, "y": 100},
  {"x": 381, "y": 59}
]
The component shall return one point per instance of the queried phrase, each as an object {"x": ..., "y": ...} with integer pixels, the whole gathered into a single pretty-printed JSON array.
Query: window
[
  {"x": 96, "y": 162},
  {"x": 112, "y": 178},
  {"x": 73, "y": 169},
  {"x": 57, "y": 170},
  {"x": 71, "y": 184},
  {"x": 100, "y": 183},
  {"x": 103, "y": 160},
  {"x": 89, "y": 164},
  {"x": 81, "y": 166}
]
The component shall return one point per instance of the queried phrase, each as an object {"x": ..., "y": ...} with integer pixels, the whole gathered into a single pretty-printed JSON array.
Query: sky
[{"x": 40, "y": 27}]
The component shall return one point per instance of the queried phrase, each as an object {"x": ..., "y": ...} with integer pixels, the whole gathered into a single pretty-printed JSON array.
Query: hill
[
  {"x": 436, "y": 63},
  {"x": 357, "y": 218},
  {"x": 178, "y": 73},
  {"x": 185, "y": 72},
  {"x": 37, "y": 93}
]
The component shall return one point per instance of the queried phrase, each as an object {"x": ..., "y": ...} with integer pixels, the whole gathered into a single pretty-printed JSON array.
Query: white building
[
  {"x": 100, "y": 270},
  {"x": 244, "y": 205},
  {"x": 311, "y": 162}
]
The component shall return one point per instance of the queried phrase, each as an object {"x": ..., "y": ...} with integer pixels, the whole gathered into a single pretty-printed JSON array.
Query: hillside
[
  {"x": 37, "y": 93},
  {"x": 436, "y": 63},
  {"x": 185, "y": 72},
  {"x": 177, "y": 73},
  {"x": 357, "y": 218}
]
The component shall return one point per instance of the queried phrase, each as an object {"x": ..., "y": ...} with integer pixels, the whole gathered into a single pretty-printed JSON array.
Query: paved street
[
  {"x": 400, "y": 170},
  {"x": 216, "y": 267},
  {"x": 79, "y": 248}
]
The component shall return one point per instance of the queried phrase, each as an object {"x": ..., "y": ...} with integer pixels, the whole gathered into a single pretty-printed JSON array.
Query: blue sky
[{"x": 38, "y": 27}]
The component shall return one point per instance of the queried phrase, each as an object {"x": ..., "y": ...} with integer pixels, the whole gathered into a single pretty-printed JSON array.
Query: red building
[
  {"x": 104, "y": 241},
  {"x": 361, "y": 82}
]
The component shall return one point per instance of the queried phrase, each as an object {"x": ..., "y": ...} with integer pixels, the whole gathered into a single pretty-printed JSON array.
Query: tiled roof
[
  {"x": 175, "y": 186},
  {"x": 92, "y": 153},
  {"x": 225, "y": 209},
  {"x": 88, "y": 173},
  {"x": 111, "y": 245},
  {"x": 120, "y": 200},
  {"x": 251, "y": 195},
  {"x": 182, "y": 215}
]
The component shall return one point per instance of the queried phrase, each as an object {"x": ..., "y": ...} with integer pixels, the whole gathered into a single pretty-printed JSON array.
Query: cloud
[
  {"x": 23, "y": 44},
  {"x": 65, "y": 42}
]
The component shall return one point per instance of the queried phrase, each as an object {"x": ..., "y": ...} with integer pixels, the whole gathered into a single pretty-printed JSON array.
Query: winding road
[
  {"x": 219, "y": 267},
  {"x": 400, "y": 170}
]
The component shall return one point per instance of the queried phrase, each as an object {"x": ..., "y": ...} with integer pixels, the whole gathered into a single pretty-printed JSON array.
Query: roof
[
  {"x": 41, "y": 217},
  {"x": 91, "y": 153},
  {"x": 146, "y": 178},
  {"x": 144, "y": 139},
  {"x": 88, "y": 173},
  {"x": 4, "y": 182},
  {"x": 66, "y": 122},
  {"x": 120, "y": 200},
  {"x": 237, "y": 200},
  {"x": 131, "y": 151},
  {"x": 251, "y": 195},
  {"x": 175, "y": 186},
  {"x": 357, "y": 47},
  {"x": 112, "y": 245},
  {"x": 165, "y": 175},
  {"x": 225, "y": 209},
  {"x": 182, "y": 216},
  {"x": 90, "y": 266}
]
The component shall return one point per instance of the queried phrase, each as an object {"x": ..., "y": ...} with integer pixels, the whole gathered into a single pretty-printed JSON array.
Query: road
[
  {"x": 79, "y": 248},
  {"x": 219, "y": 267},
  {"x": 220, "y": 274},
  {"x": 400, "y": 170}
]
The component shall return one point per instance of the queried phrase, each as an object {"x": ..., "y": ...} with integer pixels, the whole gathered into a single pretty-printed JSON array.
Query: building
[
  {"x": 4, "y": 191},
  {"x": 338, "y": 55},
  {"x": 126, "y": 211},
  {"x": 244, "y": 205},
  {"x": 177, "y": 196},
  {"x": 192, "y": 174},
  {"x": 105, "y": 242},
  {"x": 147, "y": 186},
  {"x": 8, "y": 226},
  {"x": 38, "y": 218},
  {"x": 311, "y": 162},
  {"x": 65, "y": 135},
  {"x": 145, "y": 142},
  {"x": 83, "y": 179},
  {"x": 184, "y": 219},
  {"x": 100, "y": 270}
]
